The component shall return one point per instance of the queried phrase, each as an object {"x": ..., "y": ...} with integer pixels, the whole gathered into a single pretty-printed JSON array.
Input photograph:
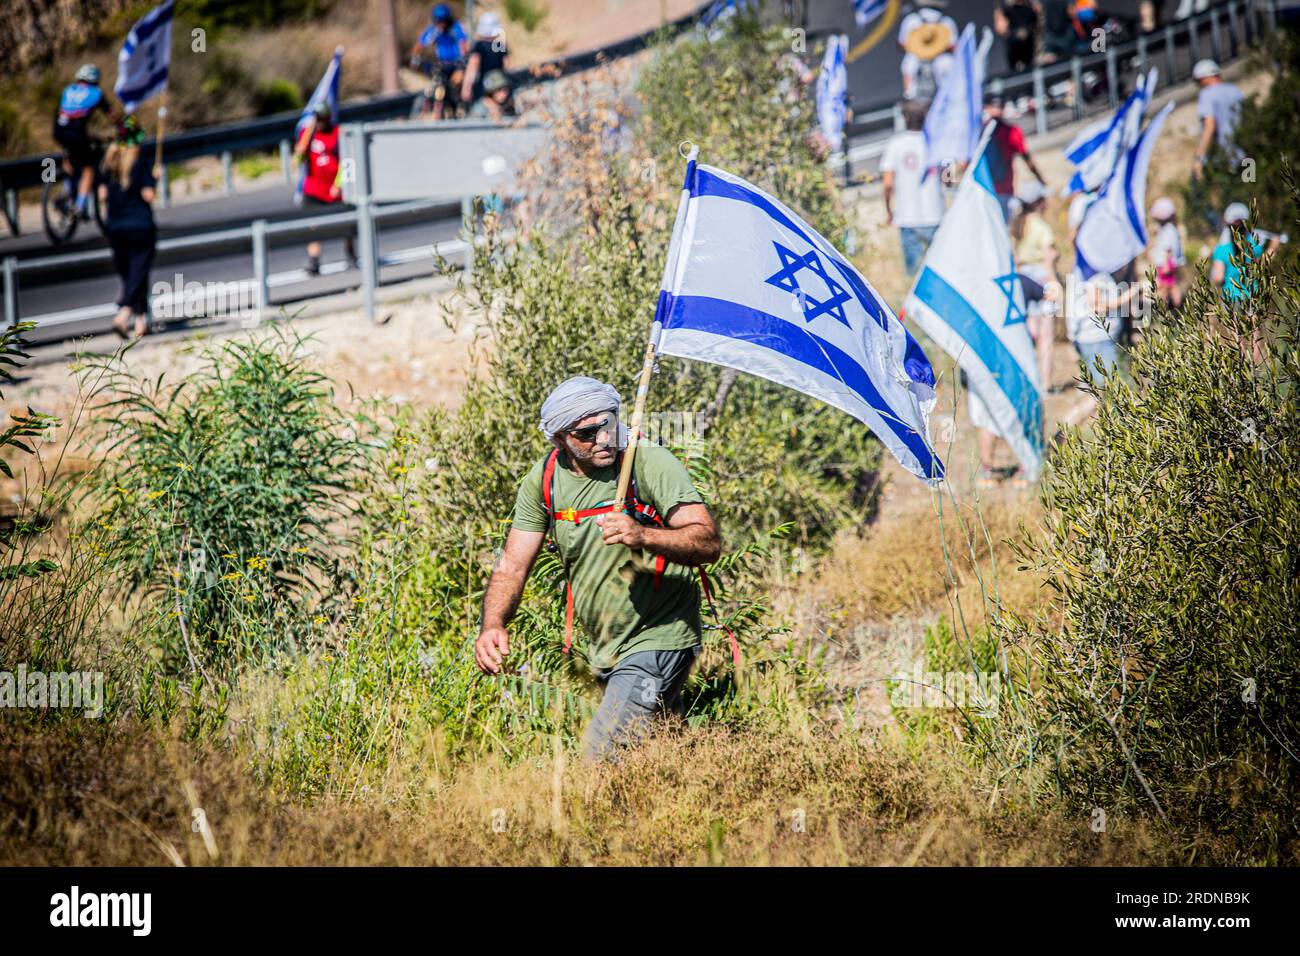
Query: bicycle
[{"x": 59, "y": 201}]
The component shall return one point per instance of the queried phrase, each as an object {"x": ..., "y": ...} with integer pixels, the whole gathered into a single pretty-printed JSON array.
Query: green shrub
[
  {"x": 277, "y": 95},
  {"x": 15, "y": 135},
  {"x": 527, "y": 13},
  {"x": 230, "y": 494},
  {"x": 1172, "y": 547}
]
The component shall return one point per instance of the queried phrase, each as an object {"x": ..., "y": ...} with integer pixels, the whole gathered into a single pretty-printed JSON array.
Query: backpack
[{"x": 641, "y": 511}]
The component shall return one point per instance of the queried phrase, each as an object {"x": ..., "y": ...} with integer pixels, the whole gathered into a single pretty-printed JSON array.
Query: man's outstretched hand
[{"x": 490, "y": 649}]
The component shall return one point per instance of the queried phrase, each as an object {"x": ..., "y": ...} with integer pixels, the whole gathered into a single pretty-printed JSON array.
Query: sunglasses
[{"x": 588, "y": 434}]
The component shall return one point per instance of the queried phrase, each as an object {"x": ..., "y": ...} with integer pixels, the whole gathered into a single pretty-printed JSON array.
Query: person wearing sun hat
[
  {"x": 925, "y": 36},
  {"x": 1166, "y": 253}
]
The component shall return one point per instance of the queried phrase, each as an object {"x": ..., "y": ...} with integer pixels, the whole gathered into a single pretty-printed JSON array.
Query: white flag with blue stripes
[
  {"x": 952, "y": 126},
  {"x": 968, "y": 299},
  {"x": 1113, "y": 232},
  {"x": 145, "y": 58},
  {"x": 865, "y": 11},
  {"x": 833, "y": 91},
  {"x": 1096, "y": 151},
  {"x": 751, "y": 286}
]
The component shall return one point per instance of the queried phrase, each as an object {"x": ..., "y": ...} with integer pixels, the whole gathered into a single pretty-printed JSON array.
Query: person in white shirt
[
  {"x": 926, "y": 36},
  {"x": 1218, "y": 106},
  {"x": 913, "y": 200}
]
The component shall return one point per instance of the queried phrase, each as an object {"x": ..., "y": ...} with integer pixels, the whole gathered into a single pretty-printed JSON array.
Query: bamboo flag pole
[{"x": 648, "y": 367}]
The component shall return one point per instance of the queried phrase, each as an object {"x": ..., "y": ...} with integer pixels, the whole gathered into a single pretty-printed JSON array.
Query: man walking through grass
[{"x": 633, "y": 583}]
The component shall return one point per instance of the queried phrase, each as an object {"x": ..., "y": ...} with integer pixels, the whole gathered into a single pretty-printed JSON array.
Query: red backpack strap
[{"x": 548, "y": 479}]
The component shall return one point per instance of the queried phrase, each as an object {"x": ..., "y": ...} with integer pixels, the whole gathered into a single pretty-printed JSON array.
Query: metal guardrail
[{"x": 256, "y": 237}]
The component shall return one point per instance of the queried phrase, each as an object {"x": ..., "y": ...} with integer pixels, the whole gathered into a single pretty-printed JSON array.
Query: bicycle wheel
[{"x": 58, "y": 211}]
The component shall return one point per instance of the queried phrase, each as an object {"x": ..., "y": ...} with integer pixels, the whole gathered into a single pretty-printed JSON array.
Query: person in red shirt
[
  {"x": 1007, "y": 143},
  {"x": 318, "y": 147}
]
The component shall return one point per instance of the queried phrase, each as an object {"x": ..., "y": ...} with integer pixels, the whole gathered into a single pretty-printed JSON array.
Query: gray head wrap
[{"x": 575, "y": 399}]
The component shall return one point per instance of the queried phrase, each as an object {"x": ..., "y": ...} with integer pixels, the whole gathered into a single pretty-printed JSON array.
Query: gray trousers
[{"x": 638, "y": 688}]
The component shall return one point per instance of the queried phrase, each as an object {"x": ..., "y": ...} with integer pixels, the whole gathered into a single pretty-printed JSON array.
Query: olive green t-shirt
[{"x": 614, "y": 596}]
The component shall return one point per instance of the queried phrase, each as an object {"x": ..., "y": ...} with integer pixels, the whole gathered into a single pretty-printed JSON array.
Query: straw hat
[{"x": 928, "y": 40}]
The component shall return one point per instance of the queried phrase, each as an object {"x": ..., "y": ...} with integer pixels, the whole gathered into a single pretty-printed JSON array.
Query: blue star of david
[
  {"x": 786, "y": 278},
  {"x": 1008, "y": 284}
]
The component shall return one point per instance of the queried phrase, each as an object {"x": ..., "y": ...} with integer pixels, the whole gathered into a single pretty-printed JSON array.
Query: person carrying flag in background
[
  {"x": 318, "y": 147},
  {"x": 317, "y": 152}
]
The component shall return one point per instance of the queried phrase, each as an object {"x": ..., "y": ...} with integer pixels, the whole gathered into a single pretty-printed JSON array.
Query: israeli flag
[
  {"x": 1113, "y": 232},
  {"x": 952, "y": 126},
  {"x": 327, "y": 91},
  {"x": 145, "y": 58},
  {"x": 864, "y": 11},
  {"x": 833, "y": 91},
  {"x": 1096, "y": 151},
  {"x": 968, "y": 299},
  {"x": 751, "y": 286}
]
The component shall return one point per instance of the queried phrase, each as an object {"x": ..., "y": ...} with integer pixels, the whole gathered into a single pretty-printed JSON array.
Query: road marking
[{"x": 875, "y": 36}]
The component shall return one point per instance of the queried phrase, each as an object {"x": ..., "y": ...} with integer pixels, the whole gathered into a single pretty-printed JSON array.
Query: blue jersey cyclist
[
  {"x": 447, "y": 41},
  {"x": 80, "y": 102}
]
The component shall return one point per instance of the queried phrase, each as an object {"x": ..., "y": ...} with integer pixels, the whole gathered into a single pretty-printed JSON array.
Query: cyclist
[
  {"x": 80, "y": 101},
  {"x": 450, "y": 47}
]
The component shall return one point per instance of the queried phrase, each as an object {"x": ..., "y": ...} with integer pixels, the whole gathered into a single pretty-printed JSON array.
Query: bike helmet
[
  {"x": 87, "y": 73},
  {"x": 440, "y": 12},
  {"x": 323, "y": 111}
]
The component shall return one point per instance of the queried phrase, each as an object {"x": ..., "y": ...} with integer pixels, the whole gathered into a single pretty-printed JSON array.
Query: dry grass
[{"x": 698, "y": 797}]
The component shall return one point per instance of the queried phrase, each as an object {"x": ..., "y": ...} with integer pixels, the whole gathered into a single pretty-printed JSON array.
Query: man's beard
[{"x": 590, "y": 456}]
